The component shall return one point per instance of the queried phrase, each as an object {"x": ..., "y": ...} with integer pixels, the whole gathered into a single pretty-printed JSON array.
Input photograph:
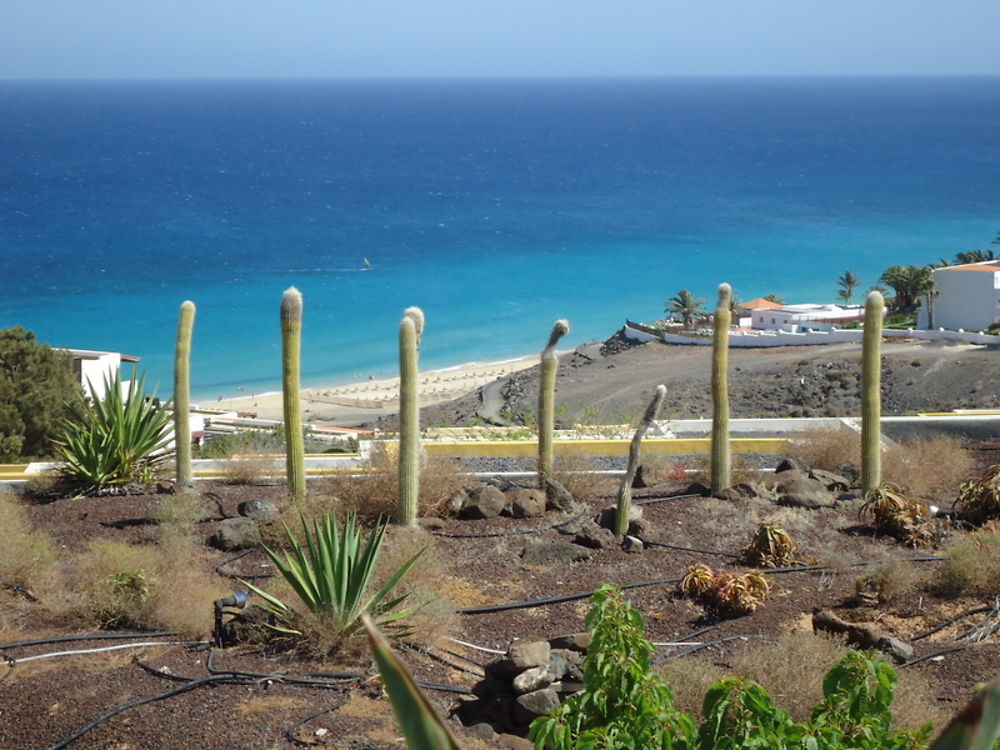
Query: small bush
[
  {"x": 576, "y": 472},
  {"x": 887, "y": 581},
  {"x": 928, "y": 469},
  {"x": 375, "y": 493},
  {"x": 27, "y": 557},
  {"x": 973, "y": 566},
  {"x": 828, "y": 449}
]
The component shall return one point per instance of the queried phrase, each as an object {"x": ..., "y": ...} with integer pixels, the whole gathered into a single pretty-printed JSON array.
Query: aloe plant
[
  {"x": 547, "y": 400},
  {"x": 871, "y": 396},
  {"x": 182, "y": 392},
  {"x": 625, "y": 490},
  {"x": 411, "y": 329},
  {"x": 291, "y": 347},
  {"x": 720, "y": 472},
  {"x": 332, "y": 576}
]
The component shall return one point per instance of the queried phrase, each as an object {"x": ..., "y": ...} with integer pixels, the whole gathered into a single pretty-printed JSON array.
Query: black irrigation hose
[
  {"x": 234, "y": 558},
  {"x": 221, "y": 679},
  {"x": 446, "y": 688},
  {"x": 650, "y": 543},
  {"x": 93, "y": 637},
  {"x": 284, "y": 678},
  {"x": 951, "y": 620},
  {"x": 542, "y": 601},
  {"x": 931, "y": 655},
  {"x": 651, "y": 500},
  {"x": 289, "y": 733}
]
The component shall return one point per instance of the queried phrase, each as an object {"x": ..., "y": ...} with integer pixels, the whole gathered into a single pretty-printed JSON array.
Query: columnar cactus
[
  {"x": 547, "y": 400},
  {"x": 871, "y": 397},
  {"x": 720, "y": 392},
  {"x": 411, "y": 328},
  {"x": 291, "y": 348},
  {"x": 625, "y": 491},
  {"x": 182, "y": 393}
]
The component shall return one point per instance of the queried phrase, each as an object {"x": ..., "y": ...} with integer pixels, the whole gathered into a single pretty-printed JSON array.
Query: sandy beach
[{"x": 367, "y": 400}]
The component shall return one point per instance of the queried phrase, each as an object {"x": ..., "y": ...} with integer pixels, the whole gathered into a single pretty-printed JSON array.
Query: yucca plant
[
  {"x": 115, "y": 440},
  {"x": 332, "y": 576}
]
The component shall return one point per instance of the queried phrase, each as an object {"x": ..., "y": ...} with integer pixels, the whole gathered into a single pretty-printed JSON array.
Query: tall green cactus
[
  {"x": 411, "y": 328},
  {"x": 871, "y": 395},
  {"x": 291, "y": 348},
  {"x": 547, "y": 400},
  {"x": 182, "y": 392},
  {"x": 625, "y": 491},
  {"x": 720, "y": 391}
]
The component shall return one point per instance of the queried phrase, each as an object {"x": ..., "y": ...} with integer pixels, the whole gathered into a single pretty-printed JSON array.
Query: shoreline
[{"x": 348, "y": 403}]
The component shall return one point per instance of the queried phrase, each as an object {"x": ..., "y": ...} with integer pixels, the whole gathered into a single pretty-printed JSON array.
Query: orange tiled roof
[
  {"x": 974, "y": 267},
  {"x": 760, "y": 304}
]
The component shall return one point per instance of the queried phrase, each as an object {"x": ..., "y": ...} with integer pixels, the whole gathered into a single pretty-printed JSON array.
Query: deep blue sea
[{"x": 497, "y": 206}]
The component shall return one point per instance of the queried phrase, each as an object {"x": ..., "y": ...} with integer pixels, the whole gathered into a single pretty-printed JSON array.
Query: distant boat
[{"x": 368, "y": 263}]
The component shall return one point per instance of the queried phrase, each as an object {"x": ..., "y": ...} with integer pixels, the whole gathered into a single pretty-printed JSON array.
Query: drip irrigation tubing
[
  {"x": 234, "y": 558},
  {"x": 546, "y": 600},
  {"x": 939, "y": 652},
  {"x": 285, "y": 678},
  {"x": 289, "y": 733},
  {"x": 190, "y": 685},
  {"x": 90, "y": 637},
  {"x": 652, "y": 500},
  {"x": 650, "y": 543},
  {"x": 694, "y": 649},
  {"x": 952, "y": 620},
  {"x": 79, "y": 652},
  {"x": 478, "y": 648}
]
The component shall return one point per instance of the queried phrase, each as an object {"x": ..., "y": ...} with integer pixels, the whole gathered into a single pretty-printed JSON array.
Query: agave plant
[
  {"x": 332, "y": 576},
  {"x": 114, "y": 440},
  {"x": 897, "y": 515},
  {"x": 771, "y": 547},
  {"x": 725, "y": 592}
]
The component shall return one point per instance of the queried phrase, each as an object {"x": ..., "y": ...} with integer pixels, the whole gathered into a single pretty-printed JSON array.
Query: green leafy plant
[
  {"x": 771, "y": 547},
  {"x": 332, "y": 575},
  {"x": 979, "y": 499},
  {"x": 897, "y": 515},
  {"x": 624, "y": 704},
  {"x": 115, "y": 440}
]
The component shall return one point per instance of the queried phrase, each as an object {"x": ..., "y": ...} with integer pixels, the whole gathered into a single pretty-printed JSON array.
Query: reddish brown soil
[{"x": 44, "y": 702}]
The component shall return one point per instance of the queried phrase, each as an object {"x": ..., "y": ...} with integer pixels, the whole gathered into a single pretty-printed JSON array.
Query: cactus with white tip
[
  {"x": 182, "y": 392},
  {"x": 291, "y": 349},
  {"x": 547, "y": 400},
  {"x": 871, "y": 393},
  {"x": 720, "y": 472},
  {"x": 411, "y": 328}
]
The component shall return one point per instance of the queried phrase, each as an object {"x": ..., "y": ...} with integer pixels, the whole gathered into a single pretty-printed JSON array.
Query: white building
[
  {"x": 968, "y": 296},
  {"x": 94, "y": 369},
  {"x": 796, "y": 318}
]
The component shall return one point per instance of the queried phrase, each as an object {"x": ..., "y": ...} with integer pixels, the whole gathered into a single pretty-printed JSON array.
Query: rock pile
[{"x": 528, "y": 682}]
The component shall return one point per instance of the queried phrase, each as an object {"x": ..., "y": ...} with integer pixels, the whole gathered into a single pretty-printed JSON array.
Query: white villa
[
  {"x": 968, "y": 296},
  {"x": 93, "y": 369},
  {"x": 800, "y": 318}
]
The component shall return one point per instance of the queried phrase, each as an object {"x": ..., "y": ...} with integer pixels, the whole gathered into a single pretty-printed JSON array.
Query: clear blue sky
[{"x": 307, "y": 38}]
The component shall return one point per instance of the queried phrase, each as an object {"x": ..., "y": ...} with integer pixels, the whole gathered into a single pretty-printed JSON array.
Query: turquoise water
[{"x": 497, "y": 206}]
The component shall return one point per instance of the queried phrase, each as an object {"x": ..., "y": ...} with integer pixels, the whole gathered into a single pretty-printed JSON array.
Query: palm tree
[
  {"x": 775, "y": 298},
  {"x": 686, "y": 305},
  {"x": 847, "y": 282},
  {"x": 975, "y": 256},
  {"x": 909, "y": 283}
]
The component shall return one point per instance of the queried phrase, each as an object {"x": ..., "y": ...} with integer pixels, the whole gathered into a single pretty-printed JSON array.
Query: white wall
[
  {"x": 96, "y": 370},
  {"x": 966, "y": 299}
]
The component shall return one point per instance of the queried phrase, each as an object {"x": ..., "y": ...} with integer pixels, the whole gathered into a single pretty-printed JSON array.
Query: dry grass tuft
[
  {"x": 27, "y": 557},
  {"x": 928, "y": 469},
  {"x": 376, "y": 493},
  {"x": 245, "y": 470},
  {"x": 828, "y": 449},
  {"x": 179, "y": 514},
  {"x": 149, "y": 587},
  {"x": 689, "y": 678},
  {"x": 574, "y": 471},
  {"x": 887, "y": 581},
  {"x": 973, "y": 565}
]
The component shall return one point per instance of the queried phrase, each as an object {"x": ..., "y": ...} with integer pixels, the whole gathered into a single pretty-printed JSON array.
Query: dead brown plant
[
  {"x": 836, "y": 450},
  {"x": 887, "y": 581},
  {"x": 973, "y": 565},
  {"x": 374, "y": 493},
  {"x": 247, "y": 469},
  {"x": 576, "y": 472},
  {"x": 931, "y": 469}
]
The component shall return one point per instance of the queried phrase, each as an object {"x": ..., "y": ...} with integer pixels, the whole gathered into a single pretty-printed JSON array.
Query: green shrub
[
  {"x": 115, "y": 440},
  {"x": 625, "y": 706},
  {"x": 36, "y": 381}
]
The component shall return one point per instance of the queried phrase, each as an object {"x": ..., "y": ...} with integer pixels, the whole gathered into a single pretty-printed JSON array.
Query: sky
[{"x": 433, "y": 38}]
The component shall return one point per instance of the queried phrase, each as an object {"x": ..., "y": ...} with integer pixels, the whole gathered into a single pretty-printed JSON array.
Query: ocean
[{"x": 496, "y": 205}]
